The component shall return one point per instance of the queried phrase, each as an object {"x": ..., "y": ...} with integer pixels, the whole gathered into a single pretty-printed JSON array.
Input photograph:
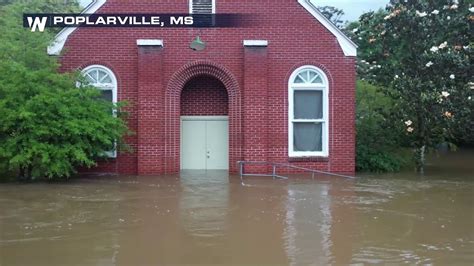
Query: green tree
[
  {"x": 48, "y": 126},
  {"x": 365, "y": 32},
  {"x": 334, "y": 14},
  {"x": 420, "y": 52},
  {"x": 47, "y": 6}
]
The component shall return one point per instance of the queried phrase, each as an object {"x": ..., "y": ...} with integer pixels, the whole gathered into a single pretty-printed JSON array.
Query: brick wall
[
  {"x": 204, "y": 95},
  {"x": 292, "y": 43}
]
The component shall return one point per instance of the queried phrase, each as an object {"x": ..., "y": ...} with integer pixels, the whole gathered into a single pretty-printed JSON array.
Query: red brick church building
[{"x": 280, "y": 90}]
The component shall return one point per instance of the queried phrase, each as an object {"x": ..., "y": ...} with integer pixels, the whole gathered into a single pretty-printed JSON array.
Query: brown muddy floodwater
[{"x": 210, "y": 218}]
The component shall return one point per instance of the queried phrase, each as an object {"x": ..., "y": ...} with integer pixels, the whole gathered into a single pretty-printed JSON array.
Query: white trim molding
[
  {"x": 146, "y": 42},
  {"x": 257, "y": 43},
  {"x": 57, "y": 45},
  {"x": 347, "y": 45}
]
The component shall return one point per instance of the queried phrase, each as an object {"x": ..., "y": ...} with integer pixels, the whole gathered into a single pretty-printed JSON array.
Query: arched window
[
  {"x": 308, "y": 113},
  {"x": 103, "y": 79}
]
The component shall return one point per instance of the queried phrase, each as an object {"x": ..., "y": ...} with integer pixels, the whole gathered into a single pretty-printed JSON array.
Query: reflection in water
[
  {"x": 210, "y": 218},
  {"x": 257, "y": 220},
  {"x": 204, "y": 203},
  {"x": 308, "y": 224}
]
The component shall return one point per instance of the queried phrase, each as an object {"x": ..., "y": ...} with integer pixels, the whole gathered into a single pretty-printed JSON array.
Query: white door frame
[
  {"x": 198, "y": 118},
  {"x": 205, "y": 118}
]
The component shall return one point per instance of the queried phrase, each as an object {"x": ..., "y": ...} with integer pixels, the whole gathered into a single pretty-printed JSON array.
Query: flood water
[{"x": 211, "y": 218}]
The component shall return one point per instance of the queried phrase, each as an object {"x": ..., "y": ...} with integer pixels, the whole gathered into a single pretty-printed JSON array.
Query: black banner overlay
[{"x": 37, "y": 22}]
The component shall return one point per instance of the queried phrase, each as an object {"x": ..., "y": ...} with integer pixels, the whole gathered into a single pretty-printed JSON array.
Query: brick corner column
[
  {"x": 150, "y": 108},
  {"x": 255, "y": 94}
]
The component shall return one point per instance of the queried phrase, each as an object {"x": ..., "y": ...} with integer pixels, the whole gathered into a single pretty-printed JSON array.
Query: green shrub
[
  {"x": 48, "y": 126},
  {"x": 379, "y": 143},
  {"x": 376, "y": 160}
]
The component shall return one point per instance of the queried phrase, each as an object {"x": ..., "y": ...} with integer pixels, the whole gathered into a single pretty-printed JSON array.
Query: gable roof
[
  {"x": 57, "y": 45},
  {"x": 348, "y": 47}
]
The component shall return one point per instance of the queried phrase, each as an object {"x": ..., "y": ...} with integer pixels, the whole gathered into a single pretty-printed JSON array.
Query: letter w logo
[{"x": 37, "y": 23}]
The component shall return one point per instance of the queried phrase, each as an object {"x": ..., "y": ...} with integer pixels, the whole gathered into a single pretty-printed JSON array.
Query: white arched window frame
[
  {"x": 103, "y": 79},
  {"x": 308, "y": 113}
]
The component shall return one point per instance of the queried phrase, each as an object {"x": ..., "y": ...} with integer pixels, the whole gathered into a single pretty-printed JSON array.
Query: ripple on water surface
[{"x": 211, "y": 218}]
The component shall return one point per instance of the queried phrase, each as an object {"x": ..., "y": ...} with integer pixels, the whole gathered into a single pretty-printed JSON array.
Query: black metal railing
[{"x": 275, "y": 166}]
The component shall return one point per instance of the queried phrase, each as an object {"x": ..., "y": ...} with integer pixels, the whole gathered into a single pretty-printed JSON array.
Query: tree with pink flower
[{"x": 424, "y": 49}]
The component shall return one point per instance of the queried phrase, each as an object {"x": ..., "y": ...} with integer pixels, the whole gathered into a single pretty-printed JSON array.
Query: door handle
[{"x": 208, "y": 154}]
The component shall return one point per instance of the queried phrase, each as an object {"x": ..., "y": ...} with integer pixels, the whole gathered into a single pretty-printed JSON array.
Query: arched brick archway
[{"x": 172, "y": 111}]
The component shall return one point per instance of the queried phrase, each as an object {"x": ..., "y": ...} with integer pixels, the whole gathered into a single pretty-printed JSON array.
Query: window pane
[
  {"x": 90, "y": 79},
  {"x": 106, "y": 95},
  {"x": 106, "y": 80},
  {"x": 299, "y": 79},
  {"x": 102, "y": 75},
  {"x": 312, "y": 75},
  {"x": 308, "y": 104},
  {"x": 307, "y": 137},
  {"x": 318, "y": 80}
]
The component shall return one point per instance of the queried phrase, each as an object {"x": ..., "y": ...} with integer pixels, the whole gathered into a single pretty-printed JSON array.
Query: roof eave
[
  {"x": 57, "y": 45},
  {"x": 347, "y": 45}
]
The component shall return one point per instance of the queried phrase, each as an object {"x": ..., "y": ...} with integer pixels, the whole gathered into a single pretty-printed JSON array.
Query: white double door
[{"x": 205, "y": 142}]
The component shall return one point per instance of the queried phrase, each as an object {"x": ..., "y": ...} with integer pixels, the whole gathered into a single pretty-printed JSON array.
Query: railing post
[
  {"x": 274, "y": 172},
  {"x": 241, "y": 167}
]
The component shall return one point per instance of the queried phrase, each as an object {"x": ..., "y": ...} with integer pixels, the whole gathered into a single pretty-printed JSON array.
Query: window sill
[{"x": 309, "y": 159}]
